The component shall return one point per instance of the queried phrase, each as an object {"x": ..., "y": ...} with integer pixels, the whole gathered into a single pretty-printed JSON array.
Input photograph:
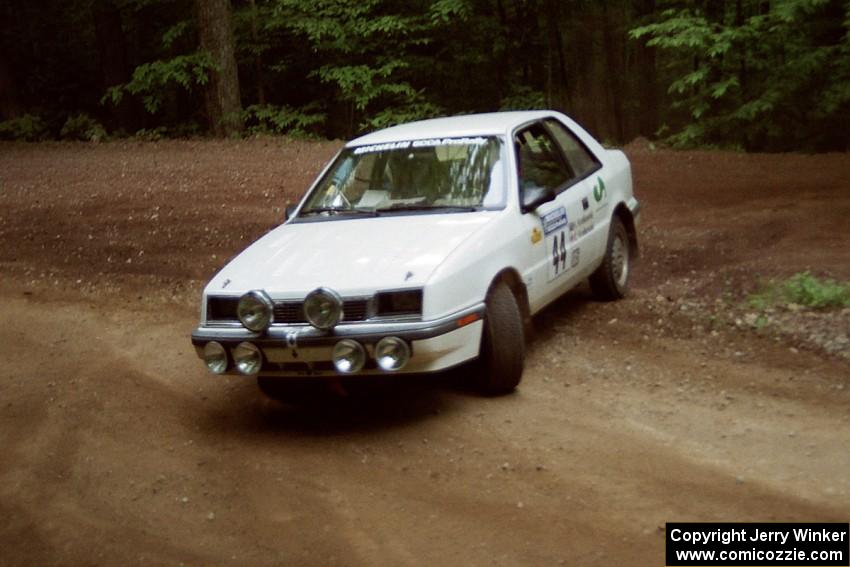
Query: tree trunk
[
  {"x": 563, "y": 89},
  {"x": 10, "y": 104},
  {"x": 114, "y": 67},
  {"x": 224, "y": 106},
  {"x": 258, "y": 59},
  {"x": 647, "y": 78},
  {"x": 506, "y": 61},
  {"x": 614, "y": 73}
]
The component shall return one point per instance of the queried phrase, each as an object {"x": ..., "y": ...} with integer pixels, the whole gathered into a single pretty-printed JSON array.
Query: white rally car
[{"x": 425, "y": 246}]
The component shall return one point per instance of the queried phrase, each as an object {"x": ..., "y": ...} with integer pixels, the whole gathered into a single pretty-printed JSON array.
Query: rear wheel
[
  {"x": 611, "y": 278},
  {"x": 502, "y": 353}
]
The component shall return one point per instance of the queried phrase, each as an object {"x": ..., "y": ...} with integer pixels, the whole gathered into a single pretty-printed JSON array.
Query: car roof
[{"x": 488, "y": 124}]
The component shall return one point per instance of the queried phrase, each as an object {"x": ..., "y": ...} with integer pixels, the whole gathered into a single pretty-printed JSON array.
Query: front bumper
[{"x": 303, "y": 350}]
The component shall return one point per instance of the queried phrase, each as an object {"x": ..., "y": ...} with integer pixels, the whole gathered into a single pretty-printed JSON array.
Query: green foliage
[
  {"x": 363, "y": 84},
  {"x": 83, "y": 127},
  {"x": 417, "y": 109},
  {"x": 446, "y": 11},
  {"x": 805, "y": 290},
  {"x": 523, "y": 97},
  {"x": 756, "y": 78},
  {"x": 274, "y": 119},
  {"x": 341, "y": 25},
  {"x": 152, "y": 80},
  {"x": 174, "y": 33},
  {"x": 366, "y": 52},
  {"x": 182, "y": 130},
  {"x": 26, "y": 128},
  {"x": 747, "y": 74}
]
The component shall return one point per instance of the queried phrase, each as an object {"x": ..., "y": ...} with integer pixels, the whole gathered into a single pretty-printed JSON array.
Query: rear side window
[
  {"x": 540, "y": 163},
  {"x": 580, "y": 158}
]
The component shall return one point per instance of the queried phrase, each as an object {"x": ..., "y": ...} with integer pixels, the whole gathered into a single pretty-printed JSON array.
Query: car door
[
  {"x": 555, "y": 228},
  {"x": 592, "y": 224}
]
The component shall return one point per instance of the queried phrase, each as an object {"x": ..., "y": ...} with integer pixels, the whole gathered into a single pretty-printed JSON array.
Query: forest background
[{"x": 755, "y": 75}]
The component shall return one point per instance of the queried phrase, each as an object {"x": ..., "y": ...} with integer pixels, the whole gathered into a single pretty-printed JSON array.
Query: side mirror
[
  {"x": 534, "y": 196},
  {"x": 288, "y": 211}
]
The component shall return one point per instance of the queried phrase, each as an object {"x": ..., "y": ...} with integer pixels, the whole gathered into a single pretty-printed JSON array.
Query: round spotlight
[
  {"x": 247, "y": 358},
  {"x": 215, "y": 357},
  {"x": 349, "y": 356},
  {"x": 255, "y": 310},
  {"x": 392, "y": 353},
  {"x": 323, "y": 308}
]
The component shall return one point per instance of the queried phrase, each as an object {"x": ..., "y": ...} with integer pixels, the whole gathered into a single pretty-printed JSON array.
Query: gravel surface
[{"x": 676, "y": 404}]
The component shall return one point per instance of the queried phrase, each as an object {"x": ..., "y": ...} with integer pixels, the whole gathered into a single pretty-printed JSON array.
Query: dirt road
[{"x": 119, "y": 448}]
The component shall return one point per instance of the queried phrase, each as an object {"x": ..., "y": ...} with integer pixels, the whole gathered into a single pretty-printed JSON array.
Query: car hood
[{"x": 352, "y": 256}]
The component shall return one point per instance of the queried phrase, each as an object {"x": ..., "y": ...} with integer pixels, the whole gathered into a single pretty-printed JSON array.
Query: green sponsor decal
[{"x": 599, "y": 190}]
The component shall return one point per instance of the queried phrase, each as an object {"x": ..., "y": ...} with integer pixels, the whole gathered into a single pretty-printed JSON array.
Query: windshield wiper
[
  {"x": 339, "y": 211},
  {"x": 422, "y": 207}
]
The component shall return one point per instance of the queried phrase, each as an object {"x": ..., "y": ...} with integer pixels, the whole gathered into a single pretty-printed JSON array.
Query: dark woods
[{"x": 752, "y": 74}]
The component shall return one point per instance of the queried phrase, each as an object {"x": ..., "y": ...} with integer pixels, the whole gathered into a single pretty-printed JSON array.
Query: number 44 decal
[
  {"x": 558, "y": 259},
  {"x": 559, "y": 253},
  {"x": 557, "y": 245},
  {"x": 555, "y": 226}
]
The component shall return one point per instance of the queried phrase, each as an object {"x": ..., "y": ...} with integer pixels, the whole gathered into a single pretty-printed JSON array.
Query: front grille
[
  {"x": 223, "y": 309},
  {"x": 355, "y": 309},
  {"x": 289, "y": 312},
  {"x": 292, "y": 312}
]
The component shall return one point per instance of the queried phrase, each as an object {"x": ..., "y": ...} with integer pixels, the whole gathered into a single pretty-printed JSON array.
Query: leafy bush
[
  {"x": 803, "y": 289},
  {"x": 273, "y": 119},
  {"x": 152, "y": 80},
  {"x": 523, "y": 97},
  {"x": 151, "y": 134},
  {"x": 26, "y": 128},
  {"x": 83, "y": 127},
  {"x": 755, "y": 74},
  {"x": 417, "y": 109}
]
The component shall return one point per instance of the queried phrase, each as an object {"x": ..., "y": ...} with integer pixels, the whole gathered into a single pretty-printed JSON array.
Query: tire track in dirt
[
  {"x": 631, "y": 414},
  {"x": 396, "y": 474}
]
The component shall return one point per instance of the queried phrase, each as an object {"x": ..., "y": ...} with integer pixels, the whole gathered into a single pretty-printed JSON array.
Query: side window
[
  {"x": 540, "y": 164},
  {"x": 580, "y": 158}
]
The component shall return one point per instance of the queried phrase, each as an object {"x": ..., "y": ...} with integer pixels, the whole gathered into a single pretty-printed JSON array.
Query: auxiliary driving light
[
  {"x": 248, "y": 358},
  {"x": 392, "y": 353},
  {"x": 323, "y": 308},
  {"x": 255, "y": 310},
  {"x": 349, "y": 356},
  {"x": 215, "y": 357}
]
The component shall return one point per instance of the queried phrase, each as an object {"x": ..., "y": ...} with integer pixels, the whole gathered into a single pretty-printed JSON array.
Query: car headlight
[
  {"x": 215, "y": 357},
  {"x": 392, "y": 353},
  {"x": 323, "y": 308},
  {"x": 349, "y": 356},
  {"x": 255, "y": 310},
  {"x": 405, "y": 302},
  {"x": 247, "y": 358}
]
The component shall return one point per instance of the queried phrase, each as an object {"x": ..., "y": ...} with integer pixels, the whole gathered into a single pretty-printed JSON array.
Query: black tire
[
  {"x": 611, "y": 278},
  {"x": 502, "y": 356}
]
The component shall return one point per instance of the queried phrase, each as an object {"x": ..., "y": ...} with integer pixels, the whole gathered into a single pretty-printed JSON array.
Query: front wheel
[
  {"x": 502, "y": 353},
  {"x": 611, "y": 278}
]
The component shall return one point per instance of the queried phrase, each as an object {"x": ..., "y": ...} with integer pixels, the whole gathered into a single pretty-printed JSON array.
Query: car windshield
[{"x": 438, "y": 175}]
